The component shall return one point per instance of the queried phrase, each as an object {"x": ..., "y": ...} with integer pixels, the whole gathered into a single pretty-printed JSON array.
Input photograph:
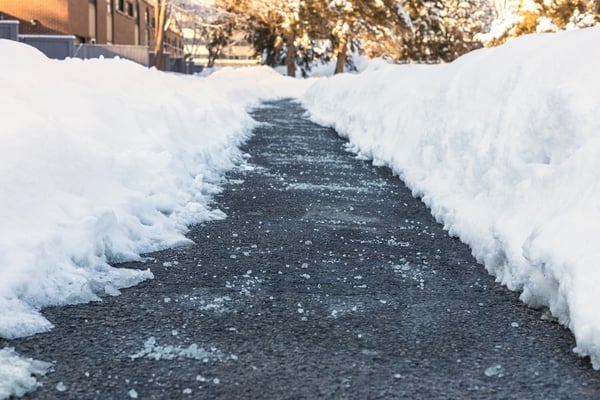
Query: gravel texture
[{"x": 326, "y": 280}]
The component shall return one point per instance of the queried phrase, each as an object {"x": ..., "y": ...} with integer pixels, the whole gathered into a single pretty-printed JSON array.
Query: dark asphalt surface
[{"x": 327, "y": 280}]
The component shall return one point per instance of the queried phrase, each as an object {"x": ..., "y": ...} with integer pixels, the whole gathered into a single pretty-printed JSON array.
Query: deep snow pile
[
  {"x": 102, "y": 160},
  {"x": 504, "y": 147}
]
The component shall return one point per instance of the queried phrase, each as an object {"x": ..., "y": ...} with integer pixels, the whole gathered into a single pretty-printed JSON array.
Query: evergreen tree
[
  {"x": 520, "y": 17},
  {"x": 444, "y": 30},
  {"x": 401, "y": 30},
  {"x": 408, "y": 30},
  {"x": 363, "y": 21}
]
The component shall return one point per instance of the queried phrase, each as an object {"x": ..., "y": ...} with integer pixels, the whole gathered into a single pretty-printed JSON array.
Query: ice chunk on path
[
  {"x": 171, "y": 352},
  {"x": 17, "y": 374},
  {"x": 494, "y": 370},
  {"x": 217, "y": 305}
]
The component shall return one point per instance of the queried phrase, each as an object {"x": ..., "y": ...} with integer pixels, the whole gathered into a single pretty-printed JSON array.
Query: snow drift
[
  {"x": 102, "y": 160},
  {"x": 504, "y": 146}
]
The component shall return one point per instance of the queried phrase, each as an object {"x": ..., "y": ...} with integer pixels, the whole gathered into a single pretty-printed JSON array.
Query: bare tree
[
  {"x": 217, "y": 37},
  {"x": 206, "y": 24},
  {"x": 283, "y": 16}
]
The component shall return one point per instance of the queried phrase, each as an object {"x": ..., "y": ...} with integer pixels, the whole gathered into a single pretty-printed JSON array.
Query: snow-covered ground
[
  {"x": 102, "y": 160},
  {"x": 504, "y": 147}
]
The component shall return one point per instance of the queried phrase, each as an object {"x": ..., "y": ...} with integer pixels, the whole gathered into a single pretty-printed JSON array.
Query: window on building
[
  {"x": 130, "y": 9},
  {"x": 121, "y": 5}
]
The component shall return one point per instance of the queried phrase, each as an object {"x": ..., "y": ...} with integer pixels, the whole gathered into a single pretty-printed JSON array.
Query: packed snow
[
  {"x": 156, "y": 352},
  {"x": 504, "y": 146},
  {"x": 17, "y": 374},
  {"x": 101, "y": 161}
]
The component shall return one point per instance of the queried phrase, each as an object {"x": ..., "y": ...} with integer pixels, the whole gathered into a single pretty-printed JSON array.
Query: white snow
[
  {"x": 17, "y": 374},
  {"x": 504, "y": 146}
]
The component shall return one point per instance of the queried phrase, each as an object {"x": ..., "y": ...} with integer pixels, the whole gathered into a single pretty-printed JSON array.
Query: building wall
[
  {"x": 146, "y": 27},
  {"x": 101, "y": 22},
  {"x": 124, "y": 28},
  {"x": 128, "y": 22},
  {"x": 51, "y": 14},
  {"x": 77, "y": 20}
]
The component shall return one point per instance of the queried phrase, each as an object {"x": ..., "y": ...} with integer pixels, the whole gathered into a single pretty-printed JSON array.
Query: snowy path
[{"x": 327, "y": 280}]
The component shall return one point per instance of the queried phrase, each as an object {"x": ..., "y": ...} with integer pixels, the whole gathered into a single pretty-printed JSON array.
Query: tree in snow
[
  {"x": 278, "y": 20},
  {"x": 365, "y": 20},
  {"x": 520, "y": 17},
  {"x": 204, "y": 24},
  {"x": 216, "y": 37},
  {"x": 408, "y": 30},
  {"x": 444, "y": 30},
  {"x": 401, "y": 30}
]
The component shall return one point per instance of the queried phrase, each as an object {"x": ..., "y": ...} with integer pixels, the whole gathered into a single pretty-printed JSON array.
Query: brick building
[{"x": 119, "y": 22}]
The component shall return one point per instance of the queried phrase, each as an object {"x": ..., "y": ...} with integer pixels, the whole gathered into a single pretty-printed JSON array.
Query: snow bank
[
  {"x": 17, "y": 374},
  {"x": 102, "y": 160},
  {"x": 504, "y": 146}
]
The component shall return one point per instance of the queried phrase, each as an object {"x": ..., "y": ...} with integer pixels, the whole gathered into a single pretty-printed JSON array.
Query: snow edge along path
[
  {"x": 120, "y": 159},
  {"x": 503, "y": 145}
]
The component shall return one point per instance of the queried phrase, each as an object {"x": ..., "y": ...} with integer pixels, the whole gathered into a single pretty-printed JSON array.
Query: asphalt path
[{"x": 327, "y": 280}]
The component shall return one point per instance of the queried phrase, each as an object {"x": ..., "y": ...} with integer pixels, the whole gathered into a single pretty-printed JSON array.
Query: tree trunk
[
  {"x": 342, "y": 54},
  {"x": 212, "y": 57},
  {"x": 290, "y": 58},
  {"x": 270, "y": 57},
  {"x": 160, "y": 17}
]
